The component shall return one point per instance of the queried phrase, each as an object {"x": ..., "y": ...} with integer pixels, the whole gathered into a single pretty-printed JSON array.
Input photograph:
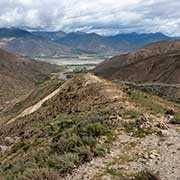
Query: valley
[{"x": 89, "y": 61}]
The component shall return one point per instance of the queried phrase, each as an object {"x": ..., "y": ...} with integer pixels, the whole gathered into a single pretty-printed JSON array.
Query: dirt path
[{"x": 35, "y": 107}]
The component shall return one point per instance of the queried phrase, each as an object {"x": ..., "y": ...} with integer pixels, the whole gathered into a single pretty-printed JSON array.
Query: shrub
[
  {"x": 68, "y": 161},
  {"x": 95, "y": 130},
  {"x": 146, "y": 176},
  {"x": 130, "y": 114},
  {"x": 176, "y": 119},
  {"x": 131, "y": 127},
  {"x": 40, "y": 174},
  {"x": 100, "y": 150},
  {"x": 66, "y": 144},
  {"x": 85, "y": 153},
  {"x": 69, "y": 140}
]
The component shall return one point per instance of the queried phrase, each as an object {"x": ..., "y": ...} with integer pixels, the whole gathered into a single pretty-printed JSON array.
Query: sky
[{"x": 100, "y": 16}]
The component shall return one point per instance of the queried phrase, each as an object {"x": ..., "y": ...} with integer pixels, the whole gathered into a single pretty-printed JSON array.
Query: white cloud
[{"x": 102, "y": 16}]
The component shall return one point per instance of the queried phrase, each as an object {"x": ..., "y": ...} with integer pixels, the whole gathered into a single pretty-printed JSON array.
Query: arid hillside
[
  {"x": 157, "y": 62},
  {"x": 90, "y": 128},
  {"x": 19, "y": 76}
]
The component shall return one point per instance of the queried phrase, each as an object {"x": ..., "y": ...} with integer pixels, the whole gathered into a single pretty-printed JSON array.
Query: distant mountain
[
  {"x": 34, "y": 47},
  {"x": 139, "y": 40},
  {"x": 54, "y": 36},
  {"x": 14, "y": 33},
  {"x": 134, "y": 37},
  {"x": 27, "y": 44},
  {"x": 112, "y": 45},
  {"x": 93, "y": 43},
  {"x": 157, "y": 62},
  {"x": 19, "y": 76},
  {"x": 46, "y": 43}
]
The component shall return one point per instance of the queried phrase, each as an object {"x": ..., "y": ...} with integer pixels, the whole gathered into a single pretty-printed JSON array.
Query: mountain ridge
[
  {"x": 57, "y": 43},
  {"x": 152, "y": 53}
]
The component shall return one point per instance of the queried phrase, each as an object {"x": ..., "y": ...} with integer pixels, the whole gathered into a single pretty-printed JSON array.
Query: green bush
[
  {"x": 131, "y": 127},
  {"x": 85, "y": 153},
  {"x": 130, "y": 114},
  {"x": 146, "y": 176},
  {"x": 100, "y": 150},
  {"x": 94, "y": 130},
  {"x": 65, "y": 142},
  {"x": 176, "y": 119},
  {"x": 40, "y": 174},
  {"x": 68, "y": 161}
]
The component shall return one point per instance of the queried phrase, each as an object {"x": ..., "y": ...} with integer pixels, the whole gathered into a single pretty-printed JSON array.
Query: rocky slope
[
  {"x": 158, "y": 62},
  {"x": 87, "y": 118}
]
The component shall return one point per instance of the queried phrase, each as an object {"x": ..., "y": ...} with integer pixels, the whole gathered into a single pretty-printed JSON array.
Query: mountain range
[
  {"x": 43, "y": 43},
  {"x": 26, "y": 44}
]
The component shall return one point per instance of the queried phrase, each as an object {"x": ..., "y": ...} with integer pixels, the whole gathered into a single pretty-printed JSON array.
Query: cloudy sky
[{"x": 101, "y": 16}]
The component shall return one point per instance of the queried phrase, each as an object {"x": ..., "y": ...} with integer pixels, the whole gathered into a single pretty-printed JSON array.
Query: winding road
[{"x": 148, "y": 84}]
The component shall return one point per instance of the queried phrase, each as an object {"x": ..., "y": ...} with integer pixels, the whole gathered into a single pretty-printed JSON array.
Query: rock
[
  {"x": 3, "y": 148},
  {"x": 112, "y": 117},
  {"x": 162, "y": 125},
  {"x": 154, "y": 155},
  {"x": 9, "y": 140},
  {"x": 146, "y": 156},
  {"x": 170, "y": 133},
  {"x": 144, "y": 122},
  {"x": 165, "y": 133}
]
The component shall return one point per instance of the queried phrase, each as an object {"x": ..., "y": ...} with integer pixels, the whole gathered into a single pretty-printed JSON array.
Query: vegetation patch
[
  {"x": 60, "y": 144},
  {"x": 176, "y": 119},
  {"x": 132, "y": 128},
  {"x": 146, "y": 175},
  {"x": 145, "y": 100},
  {"x": 130, "y": 114},
  {"x": 117, "y": 174}
]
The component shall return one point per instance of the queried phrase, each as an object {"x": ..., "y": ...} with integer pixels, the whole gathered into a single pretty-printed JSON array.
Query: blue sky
[{"x": 100, "y": 16}]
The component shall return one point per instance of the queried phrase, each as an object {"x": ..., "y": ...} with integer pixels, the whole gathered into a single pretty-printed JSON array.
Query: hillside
[
  {"x": 34, "y": 47},
  {"x": 27, "y": 44},
  {"x": 157, "y": 62},
  {"x": 19, "y": 76},
  {"x": 94, "y": 129}
]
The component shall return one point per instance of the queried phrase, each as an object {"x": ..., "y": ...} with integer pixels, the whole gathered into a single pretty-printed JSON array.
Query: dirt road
[{"x": 35, "y": 107}]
